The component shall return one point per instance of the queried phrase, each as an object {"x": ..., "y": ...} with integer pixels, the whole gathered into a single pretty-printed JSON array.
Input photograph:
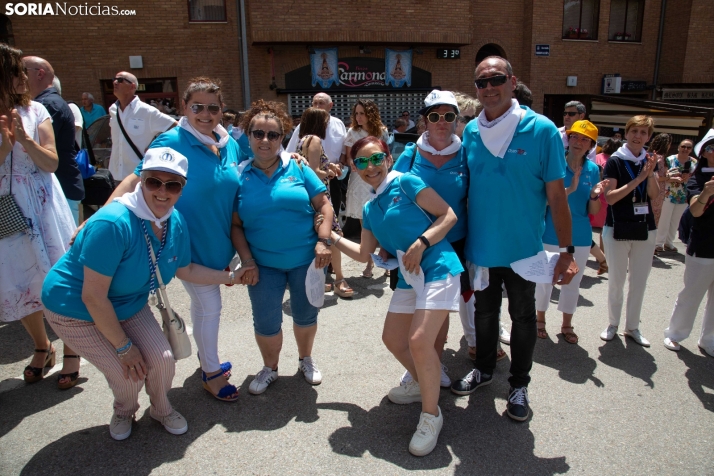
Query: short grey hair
[
  {"x": 325, "y": 95},
  {"x": 89, "y": 96},
  {"x": 576, "y": 104},
  {"x": 57, "y": 85}
]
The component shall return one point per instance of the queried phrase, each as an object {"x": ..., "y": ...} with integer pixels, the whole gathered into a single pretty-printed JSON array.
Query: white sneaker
[
  {"x": 504, "y": 336},
  {"x": 427, "y": 433},
  {"x": 120, "y": 426},
  {"x": 174, "y": 422},
  {"x": 671, "y": 345},
  {"x": 309, "y": 369},
  {"x": 445, "y": 380},
  {"x": 637, "y": 336},
  {"x": 609, "y": 333},
  {"x": 262, "y": 379},
  {"x": 404, "y": 394},
  {"x": 406, "y": 378}
]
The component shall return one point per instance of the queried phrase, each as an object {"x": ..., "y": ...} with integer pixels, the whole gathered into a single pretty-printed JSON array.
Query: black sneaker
[
  {"x": 518, "y": 401},
  {"x": 470, "y": 382}
]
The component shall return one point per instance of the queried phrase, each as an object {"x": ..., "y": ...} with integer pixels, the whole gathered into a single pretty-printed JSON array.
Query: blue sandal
[
  {"x": 229, "y": 393},
  {"x": 225, "y": 366}
]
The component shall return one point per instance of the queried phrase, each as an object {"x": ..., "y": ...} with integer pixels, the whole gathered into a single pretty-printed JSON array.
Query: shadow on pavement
[
  {"x": 17, "y": 345},
  {"x": 700, "y": 374},
  {"x": 629, "y": 357},
  {"x": 572, "y": 362}
]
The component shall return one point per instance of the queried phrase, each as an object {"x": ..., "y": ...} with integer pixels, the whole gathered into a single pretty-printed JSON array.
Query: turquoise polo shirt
[
  {"x": 245, "y": 151},
  {"x": 507, "y": 196},
  {"x": 277, "y": 213},
  {"x": 578, "y": 202},
  {"x": 206, "y": 202},
  {"x": 450, "y": 181},
  {"x": 112, "y": 243},
  {"x": 89, "y": 117},
  {"x": 397, "y": 221}
]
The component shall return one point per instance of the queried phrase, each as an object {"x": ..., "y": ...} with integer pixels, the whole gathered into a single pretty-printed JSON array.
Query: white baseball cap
[
  {"x": 437, "y": 98},
  {"x": 166, "y": 159}
]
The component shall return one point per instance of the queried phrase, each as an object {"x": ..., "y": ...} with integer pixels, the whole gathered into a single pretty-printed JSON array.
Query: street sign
[
  {"x": 611, "y": 84},
  {"x": 629, "y": 86},
  {"x": 542, "y": 50}
]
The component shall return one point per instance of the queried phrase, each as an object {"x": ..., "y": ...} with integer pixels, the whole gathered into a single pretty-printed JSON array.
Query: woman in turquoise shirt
[
  {"x": 96, "y": 295},
  {"x": 273, "y": 227},
  {"x": 396, "y": 218},
  {"x": 583, "y": 186}
]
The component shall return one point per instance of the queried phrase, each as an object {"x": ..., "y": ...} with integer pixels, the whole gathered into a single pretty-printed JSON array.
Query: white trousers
[
  {"x": 698, "y": 281},
  {"x": 669, "y": 222},
  {"x": 569, "y": 294},
  {"x": 206, "y": 317},
  {"x": 623, "y": 257}
]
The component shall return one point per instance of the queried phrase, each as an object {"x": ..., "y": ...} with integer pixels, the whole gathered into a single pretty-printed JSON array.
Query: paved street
[{"x": 606, "y": 408}]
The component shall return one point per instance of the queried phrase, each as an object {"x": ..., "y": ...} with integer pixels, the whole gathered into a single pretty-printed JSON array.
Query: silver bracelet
[
  {"x": 339, "y": 237},
  {"x": 232, "y": 275}
]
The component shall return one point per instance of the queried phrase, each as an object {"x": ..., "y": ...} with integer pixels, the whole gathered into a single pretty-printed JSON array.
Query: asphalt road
[{"x": 605, "y": 408}]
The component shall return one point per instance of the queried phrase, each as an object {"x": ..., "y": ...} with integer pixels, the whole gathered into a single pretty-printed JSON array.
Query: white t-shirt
[
  {"x": 564, "y": 136},
  {"x": 78, "y": 122},
  {"x": 334, "y": 138},
  {"x": 142, "y": 123}
]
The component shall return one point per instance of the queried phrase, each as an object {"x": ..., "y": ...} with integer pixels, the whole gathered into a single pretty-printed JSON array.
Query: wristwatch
[
  {"x": 326, "y": 241},
  {"x": 567, "y": 249}
]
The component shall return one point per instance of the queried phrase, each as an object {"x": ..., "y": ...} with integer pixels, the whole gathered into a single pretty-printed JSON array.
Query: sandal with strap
[
  {"x": 71, "y": 376},
  {"x": 603, "y": 268},
  {"x": 340, "y": 291},
  {"x": 569, "y": 336},
  {"x": 37, "y": 373},
  {"x": 500, "y": 354},
  {"x": 540, "y": 328},
  {"x": 367, "y": 273},
  {"x": 229, "y": 393},
  {"x": 225, "y": 366}
]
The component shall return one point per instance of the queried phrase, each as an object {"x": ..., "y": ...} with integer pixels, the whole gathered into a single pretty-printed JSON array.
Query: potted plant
[
  {"x": 572, "y": 33},
  {"x": 583, "y": 33},
  {"x": 627, "y": 37},
  {"x": 618, "y": 36}
]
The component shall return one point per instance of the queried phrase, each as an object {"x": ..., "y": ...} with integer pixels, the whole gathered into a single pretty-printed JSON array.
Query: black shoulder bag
[{"x": 12, "y": 221}]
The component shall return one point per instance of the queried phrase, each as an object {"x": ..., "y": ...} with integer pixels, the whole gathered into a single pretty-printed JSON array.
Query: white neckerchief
[
  {"x": 625, "y": 154},
  {"x": 498, "y": 134},
  {"x": 135, "y": 202},
  {"x": 385, "y": 183},
  {"x": 203, "y": 138},
  {"x": 423, "y": 144}
]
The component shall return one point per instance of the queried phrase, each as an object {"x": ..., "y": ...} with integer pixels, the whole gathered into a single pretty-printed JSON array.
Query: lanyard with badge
[{"x": 641, "y": 207}]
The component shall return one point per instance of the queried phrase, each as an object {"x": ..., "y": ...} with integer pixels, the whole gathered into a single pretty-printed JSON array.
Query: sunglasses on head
[
  {"x": 494, "y": 80},
  {"x": 377, "y": 158},
  {"x": 119, "y": 79},
  {"x": 153, "y": 184},
  {"x": 198, "y": 108},
  {"x": 434, "y": 117},
  {"x": 570, "y": 113},
  {"x": 259, "y": 134}
]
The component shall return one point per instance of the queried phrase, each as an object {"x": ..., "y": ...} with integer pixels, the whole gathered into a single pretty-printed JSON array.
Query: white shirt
[
  {"x": 142, "y": 123},
  {"x": 78, "y": 122},
  {"x": 334, "y": 138},
  {"x": 591, "y": 154}
]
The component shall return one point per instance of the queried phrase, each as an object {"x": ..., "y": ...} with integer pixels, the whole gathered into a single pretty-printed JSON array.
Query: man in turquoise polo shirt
[
  {"x": 516, "y": 165},
  {"x": 90, "y": 111}
]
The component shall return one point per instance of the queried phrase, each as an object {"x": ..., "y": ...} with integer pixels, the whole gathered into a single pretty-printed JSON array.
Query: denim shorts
[{"x": 266, "y": 298}]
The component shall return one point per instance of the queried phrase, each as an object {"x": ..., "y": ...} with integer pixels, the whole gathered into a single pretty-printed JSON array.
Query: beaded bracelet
[{"x": 125, "y": 348}]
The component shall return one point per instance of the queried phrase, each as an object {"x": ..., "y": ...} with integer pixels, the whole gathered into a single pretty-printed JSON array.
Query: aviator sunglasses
[
  {"x": 198, "y": 108},
  {"x": 377, "y": 158},
  {"x": 434, "y": 117},
  {"x": 259, "y": 134},
  {"x": 153, "y": 184},
  {"x": 494, "y": 80}
]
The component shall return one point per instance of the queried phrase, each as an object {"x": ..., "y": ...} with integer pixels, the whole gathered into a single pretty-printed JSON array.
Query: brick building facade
[{"x": 176, "y": 43}]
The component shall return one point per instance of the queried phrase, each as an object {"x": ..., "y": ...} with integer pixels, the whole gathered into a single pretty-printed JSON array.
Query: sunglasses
[
  {"x": 494, "y": 80},
  {"x": 466, "y": 119},
  {"x": 198, "y": 108},
  {"x": 570, "y": 113},
  {"x": 153, "y": 184},
  {"x": 259, "y": 134},
  {"x": 377, "y": 158},
  {"x": 685, "y": 146},
  {"x": 434, "y": 117},
  {"x": 122, "y": 80},
  {"x": 709, "y": 149}
]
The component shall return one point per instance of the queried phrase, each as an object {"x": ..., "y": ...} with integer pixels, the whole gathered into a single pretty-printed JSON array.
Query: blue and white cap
[
  {"x": 166, "y": 159},
  {"x": 437, "y": 98}
]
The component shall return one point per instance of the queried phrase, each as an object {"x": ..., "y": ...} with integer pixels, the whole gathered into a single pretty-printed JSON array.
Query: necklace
[{"x": 268, "y": 167}]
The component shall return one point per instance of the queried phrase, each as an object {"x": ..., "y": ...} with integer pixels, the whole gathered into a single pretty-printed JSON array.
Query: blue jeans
[
  {"x": 521, "y": 307},
  {"x": 266, "y": 298},
  {"x": 74, "y": 208}
]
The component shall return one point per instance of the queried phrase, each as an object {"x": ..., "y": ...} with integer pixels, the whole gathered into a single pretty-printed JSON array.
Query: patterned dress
[
  {"x": 26, "y": 258},
  {"x": 676, "y": 192},
  {"x": 324, "y": 162}
]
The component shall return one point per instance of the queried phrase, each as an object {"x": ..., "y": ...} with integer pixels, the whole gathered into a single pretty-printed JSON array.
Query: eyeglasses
[
  {"x": 494, "y": 80},
  {"x": 570, "y": 113},
  {"x": 434, "y": 117},
  {"x": 122, "y": 80},
  {"x": 377, "y": 158},
  {"x": 709, "y": 149},
  {"x": 466, "y": 119},
  {"x": 153, "y": 184},
  {"x": 579, "y": 137},
  {"x": 685, "y": 146},
  {"x": 259, "y": 134},
  {"x": 198, "y": 108}
]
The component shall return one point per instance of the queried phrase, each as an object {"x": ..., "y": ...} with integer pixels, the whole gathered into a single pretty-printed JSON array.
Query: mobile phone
[{"x": 687, "y": 167}]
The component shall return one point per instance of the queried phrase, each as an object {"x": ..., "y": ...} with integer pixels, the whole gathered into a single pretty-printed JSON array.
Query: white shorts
[{"x": 439, "y": 295}]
